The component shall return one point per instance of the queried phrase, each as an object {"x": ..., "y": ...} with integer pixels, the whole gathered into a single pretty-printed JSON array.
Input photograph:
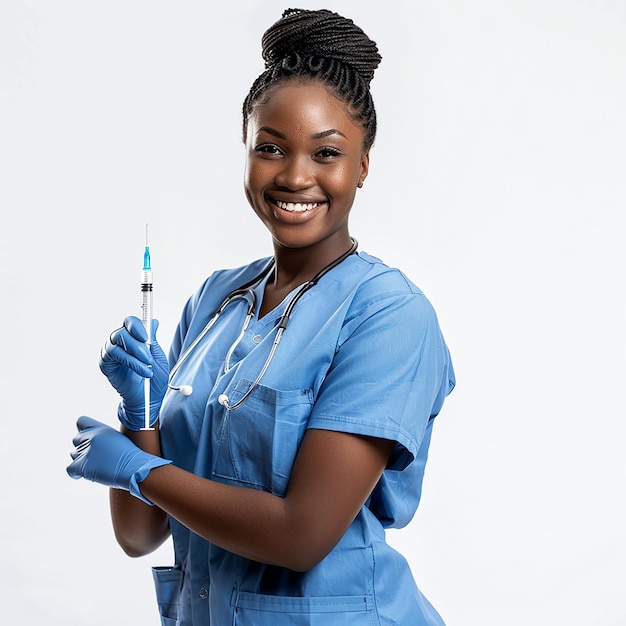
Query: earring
[{"x": 360, "y": 184}]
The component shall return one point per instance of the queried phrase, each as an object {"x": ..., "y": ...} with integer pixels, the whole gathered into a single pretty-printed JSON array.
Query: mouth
[{"x": 295, "y": 207}]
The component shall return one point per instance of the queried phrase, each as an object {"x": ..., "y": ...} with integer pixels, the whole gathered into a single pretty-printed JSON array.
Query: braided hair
[{"x": 325, "y": 46}]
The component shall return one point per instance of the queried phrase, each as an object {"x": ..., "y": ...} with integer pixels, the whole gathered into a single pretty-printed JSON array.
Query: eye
[
  {"x": 328, "y": 153},
  {"x": 268, "y": 149}
]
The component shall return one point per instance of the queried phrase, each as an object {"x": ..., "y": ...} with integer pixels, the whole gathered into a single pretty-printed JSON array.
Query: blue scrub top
[{"x": 363, "y": 354}]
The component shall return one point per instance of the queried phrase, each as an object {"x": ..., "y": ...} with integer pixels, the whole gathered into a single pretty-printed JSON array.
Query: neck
[{"x": 295, "y": 266}]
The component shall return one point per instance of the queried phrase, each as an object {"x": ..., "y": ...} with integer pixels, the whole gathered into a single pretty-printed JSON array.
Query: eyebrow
[
  {"x": 324, "y": 133},
  {"x": 273, "y": 132},
  {"x": 327, "y": 133}
]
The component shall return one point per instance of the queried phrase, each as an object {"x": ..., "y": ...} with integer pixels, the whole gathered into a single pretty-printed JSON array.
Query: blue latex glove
[
  {"x": 125, "y": 360},
  {"x": 106, "y": 456}
]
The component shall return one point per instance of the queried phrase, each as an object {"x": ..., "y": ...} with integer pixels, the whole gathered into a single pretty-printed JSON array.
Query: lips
[{"x": 295, "y": 207}]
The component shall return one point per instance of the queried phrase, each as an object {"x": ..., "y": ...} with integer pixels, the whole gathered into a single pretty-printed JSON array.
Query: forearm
[
  {"x": 333, "y": 475},
  {"x": 253, "y": 524},
  {"x": 139, "y": 528}
]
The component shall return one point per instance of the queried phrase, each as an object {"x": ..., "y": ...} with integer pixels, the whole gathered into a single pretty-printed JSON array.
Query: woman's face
[{"x": 305, "y": 160}]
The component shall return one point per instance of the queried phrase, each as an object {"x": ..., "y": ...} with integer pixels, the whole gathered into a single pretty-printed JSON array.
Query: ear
[{"x": 365, "y": 166}]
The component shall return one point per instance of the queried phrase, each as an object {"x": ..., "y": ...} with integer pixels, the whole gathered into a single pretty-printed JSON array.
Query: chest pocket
[{"x": 256, "y": 444}]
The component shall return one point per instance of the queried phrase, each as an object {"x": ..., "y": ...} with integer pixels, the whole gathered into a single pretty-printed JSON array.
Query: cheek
[
  {"x": 254, "y": 184},
  {"x": 345, "y": 180},
  {"x": 249, "y": 183},
  {"x": 251, "y": 178},
  {"x": 256, "y": 174}
]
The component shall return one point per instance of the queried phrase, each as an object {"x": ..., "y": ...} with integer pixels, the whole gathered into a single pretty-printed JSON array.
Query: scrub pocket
[
  {"x": 253, "y": 609},
  {"x": 168, "y": 582},
  {"x": 256, "y": 444}
]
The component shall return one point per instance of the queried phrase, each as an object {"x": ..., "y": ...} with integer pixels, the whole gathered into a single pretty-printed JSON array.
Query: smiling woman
[
  {"x": 277, "y": 476},
  {"x": 305, "y": 162}
]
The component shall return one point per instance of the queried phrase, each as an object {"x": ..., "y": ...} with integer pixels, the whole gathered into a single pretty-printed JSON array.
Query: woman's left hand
[{"x": 106, "y": 456}]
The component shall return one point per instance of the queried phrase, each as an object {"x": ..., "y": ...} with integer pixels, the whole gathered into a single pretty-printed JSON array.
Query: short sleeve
[{"x": 391, "y": 371}]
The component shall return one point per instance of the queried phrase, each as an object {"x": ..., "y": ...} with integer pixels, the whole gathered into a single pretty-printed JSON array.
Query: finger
[
  {"x": 78, "y": 439},
  {"x": 115, "y": 354},
  {"x": 136, "y": 328},
  {"x": 124, "y": 339},
  {"x": 84, "y": 422},
  {"x": 73, "y": 470},
  {"x": 79, "y": 450}
]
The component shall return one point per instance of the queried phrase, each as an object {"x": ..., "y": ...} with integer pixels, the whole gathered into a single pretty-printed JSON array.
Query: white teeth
[{"x": 296, "y": 207}]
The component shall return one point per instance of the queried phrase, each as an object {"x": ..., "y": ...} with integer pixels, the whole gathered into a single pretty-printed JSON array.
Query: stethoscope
[{"x": 246, "y": 292}]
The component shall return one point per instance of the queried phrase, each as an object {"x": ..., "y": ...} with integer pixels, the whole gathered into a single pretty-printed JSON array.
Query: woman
[{"x": 278, "y": 473}]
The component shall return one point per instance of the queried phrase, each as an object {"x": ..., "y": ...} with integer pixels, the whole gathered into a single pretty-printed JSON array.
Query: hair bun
[{"x": 320, "y": 33}]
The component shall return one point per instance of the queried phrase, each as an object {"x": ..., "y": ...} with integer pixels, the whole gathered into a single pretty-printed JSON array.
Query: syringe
[{"x": 146, "y": 319}]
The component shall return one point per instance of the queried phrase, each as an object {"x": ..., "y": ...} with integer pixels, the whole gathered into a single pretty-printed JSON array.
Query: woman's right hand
[{"x": 126, "y": 361}]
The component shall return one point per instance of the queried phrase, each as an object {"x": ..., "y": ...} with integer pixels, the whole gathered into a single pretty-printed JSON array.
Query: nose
[{"x": 296, "y": 173}]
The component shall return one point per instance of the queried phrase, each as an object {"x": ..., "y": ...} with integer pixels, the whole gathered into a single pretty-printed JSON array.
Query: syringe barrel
[{"x": 146, "y": 307}]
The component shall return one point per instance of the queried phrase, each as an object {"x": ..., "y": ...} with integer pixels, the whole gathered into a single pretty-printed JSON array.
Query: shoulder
[{"x": 382, "y": 287}]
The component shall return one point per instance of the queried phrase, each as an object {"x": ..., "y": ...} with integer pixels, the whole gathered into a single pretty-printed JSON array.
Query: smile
[{"x": 296, "y": 207}]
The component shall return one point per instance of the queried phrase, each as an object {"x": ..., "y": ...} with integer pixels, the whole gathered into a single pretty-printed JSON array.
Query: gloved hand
[
  {"x": 125, "y": 360},
  {"x": 106, "y": 456}
]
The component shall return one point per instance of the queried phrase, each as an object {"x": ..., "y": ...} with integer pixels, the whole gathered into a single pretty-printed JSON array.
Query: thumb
[{"x": 154, "y": 327}]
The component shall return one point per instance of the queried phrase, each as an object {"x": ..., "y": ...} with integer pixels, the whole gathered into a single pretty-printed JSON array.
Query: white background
[{"x": 497, "y": 184}]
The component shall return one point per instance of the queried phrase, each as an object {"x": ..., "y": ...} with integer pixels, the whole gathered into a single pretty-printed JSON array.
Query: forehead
[{"x": 304, "y": 105}]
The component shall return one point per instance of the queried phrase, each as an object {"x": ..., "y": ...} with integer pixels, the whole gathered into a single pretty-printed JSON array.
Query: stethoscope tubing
[{"x": 243, "y": 292}]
